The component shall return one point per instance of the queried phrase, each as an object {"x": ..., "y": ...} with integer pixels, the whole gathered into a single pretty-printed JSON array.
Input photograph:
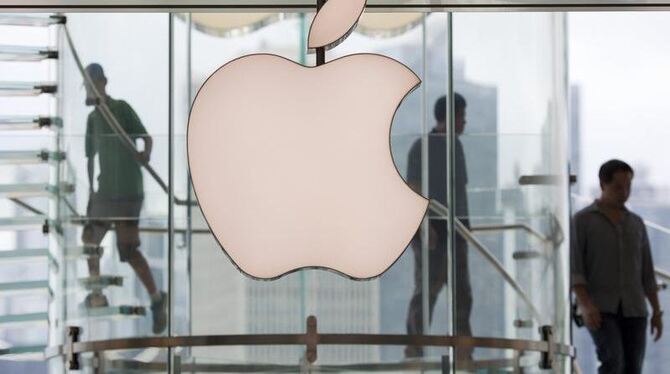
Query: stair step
[
  {"x": 18, "y": 123},
  {"x": 30, "y": 20},
  {"x": 25, "y": 53},
  {"x": 29, "y": 157},
  {"x": 24, "y": 352},
  {"x": 32, "y": 318},
  {"x": 523, "y": 323},
  {"x": 113, "y": 312},
  {"x": 24, "y": 286},
  {"x": 26, "y": 88},
  {"x": 34, "y": 190},
  {"x": 83, "y": 251},
  {"x": 526, "y": 255},
  {"x": 101, "y": 282},
  {"x": 24, "y": 223},
  {"x": 28, "y": 254},
  {"x": 24, "y": 254}
]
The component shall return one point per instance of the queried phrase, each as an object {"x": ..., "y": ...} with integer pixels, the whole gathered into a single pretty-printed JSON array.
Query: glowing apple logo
[{"x": 292, "y": 165}]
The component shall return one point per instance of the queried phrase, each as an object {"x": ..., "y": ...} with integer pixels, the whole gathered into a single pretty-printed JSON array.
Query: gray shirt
[
  {"x": 613, "y": 261},
  {"x": 437, "y": 172}
]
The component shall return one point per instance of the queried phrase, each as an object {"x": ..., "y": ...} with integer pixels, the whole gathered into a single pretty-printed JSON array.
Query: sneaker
[
  {"x": 95, "y": 300},
  {"x": 159, "y": 313}
]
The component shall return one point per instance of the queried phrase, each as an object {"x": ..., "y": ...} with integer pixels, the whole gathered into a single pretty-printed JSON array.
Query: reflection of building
[{"x": 341, "y": 306}]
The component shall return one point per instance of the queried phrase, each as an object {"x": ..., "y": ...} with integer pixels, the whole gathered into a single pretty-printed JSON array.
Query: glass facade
[{"x": 496, "y": 150}]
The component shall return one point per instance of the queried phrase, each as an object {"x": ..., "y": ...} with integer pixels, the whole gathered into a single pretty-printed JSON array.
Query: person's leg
[
  {"x": 463, "y": 296},
  {"x": 92, "y": 235},
  {"x": 634, "y": 336},
  {"x": 128, "y": 241},
  {"x": 436, "y": 279},
  {"x": 414, "y": 312},
  {"x": 609, "y": 345}
]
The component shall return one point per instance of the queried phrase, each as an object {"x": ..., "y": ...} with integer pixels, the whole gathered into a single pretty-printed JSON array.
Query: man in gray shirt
[{"x": 613, "y": 273}]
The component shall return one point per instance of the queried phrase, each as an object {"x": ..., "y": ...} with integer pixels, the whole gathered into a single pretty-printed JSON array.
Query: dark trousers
[
  {"x": 620, "y": 343},
  {"x": 437, "y": 278}
]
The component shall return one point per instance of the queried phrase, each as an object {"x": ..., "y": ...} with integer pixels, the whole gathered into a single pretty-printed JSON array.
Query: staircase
[
  {"x": 28, "y": 188},
  {"x": 36, "y": 206}
]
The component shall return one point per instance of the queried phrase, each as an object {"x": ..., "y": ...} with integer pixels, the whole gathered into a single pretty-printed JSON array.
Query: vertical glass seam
[{"x": 451, "y": 140}]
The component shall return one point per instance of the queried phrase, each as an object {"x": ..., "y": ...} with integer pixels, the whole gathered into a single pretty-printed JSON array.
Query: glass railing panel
[
  {"x": 514, "y": 147},
  {"x": 115, "y": 220}
]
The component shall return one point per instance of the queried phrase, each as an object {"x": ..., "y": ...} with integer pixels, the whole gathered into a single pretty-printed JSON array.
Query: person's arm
[
  {"x": 650, "y": 287},
  {"x": 91, "y": 171},
  {"x": 590, "y": 312},
  {"x": 137, "y": 130},
  {"x": 90, "y": 152},
  {"x": 145, "y": 155}
]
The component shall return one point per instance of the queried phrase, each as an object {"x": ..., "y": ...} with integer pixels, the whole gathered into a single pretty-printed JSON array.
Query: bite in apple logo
[{"x": 292, "y": 165}]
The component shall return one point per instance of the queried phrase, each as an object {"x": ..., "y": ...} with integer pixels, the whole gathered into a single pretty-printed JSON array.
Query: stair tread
[
  {"x": 83, "y": 251},
  {"x": 26, "y": 88},
  {"x": 29, "y": 20},
  {"x": 100, "y": 282},
  {"x": 22, "y": 351},
  {"x": 24, "y": 285},
  {"x": 18, "y": 223},
  {"x": 32, "y": 189},
  {"x": 24, "y": 318},
  {"x": 26, "y": 53},
  {"x": 29, "y": 157},
  {"x": 22, "y": 123},
  {"x": 23, "y": 254},
  {"x": 119, "y": 311}
]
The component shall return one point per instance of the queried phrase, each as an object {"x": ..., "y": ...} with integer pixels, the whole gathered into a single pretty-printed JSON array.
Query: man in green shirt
[{"x": 118, "y": 199}]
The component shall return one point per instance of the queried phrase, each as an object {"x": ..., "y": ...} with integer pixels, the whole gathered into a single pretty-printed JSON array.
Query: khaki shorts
[{"x": 120, "y": 214}]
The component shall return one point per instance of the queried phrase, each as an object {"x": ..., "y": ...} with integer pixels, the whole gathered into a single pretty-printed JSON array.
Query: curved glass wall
[{"x": 498, "y": 270}]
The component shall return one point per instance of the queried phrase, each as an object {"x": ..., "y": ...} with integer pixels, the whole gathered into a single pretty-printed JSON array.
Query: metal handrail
[
  {"x": 438, "y": 208},
  {"x": 664, "y": 274},
  {"x": 513, "y": 226},
  {"x": 311, "y": 339}
]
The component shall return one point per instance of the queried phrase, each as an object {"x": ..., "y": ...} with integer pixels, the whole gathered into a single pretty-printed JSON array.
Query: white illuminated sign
[{"x": 292, "y": 165}]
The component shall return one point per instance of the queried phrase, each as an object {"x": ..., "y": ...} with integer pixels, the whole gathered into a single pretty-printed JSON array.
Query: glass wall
[{"x": 484, "y": 133}]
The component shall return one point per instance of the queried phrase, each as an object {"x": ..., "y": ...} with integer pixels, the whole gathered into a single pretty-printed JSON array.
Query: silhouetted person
[
  {"x": 118, "y": 200},
  {"x": 438, "y": 237},
  {"x": 613, "y": 272}
]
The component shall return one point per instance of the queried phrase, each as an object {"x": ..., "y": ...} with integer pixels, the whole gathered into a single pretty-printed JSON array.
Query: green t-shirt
[{"x": 120, "y": 174}]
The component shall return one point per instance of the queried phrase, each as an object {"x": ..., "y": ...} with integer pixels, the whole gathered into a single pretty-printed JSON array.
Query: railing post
[
  {"x": 73, "y": 333},
  {"x": 312, "y": 340},
  {"x": 547, "y": 358}
]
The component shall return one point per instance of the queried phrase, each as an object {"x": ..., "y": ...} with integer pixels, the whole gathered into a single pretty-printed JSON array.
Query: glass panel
[
  {"x": 114, "y": 245},
  {"x": 623, "y": 118},
  {"x": 510, "y": 186},
  {"x": 215, "y": 285},
  {"x": 510, "y": 70}
]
